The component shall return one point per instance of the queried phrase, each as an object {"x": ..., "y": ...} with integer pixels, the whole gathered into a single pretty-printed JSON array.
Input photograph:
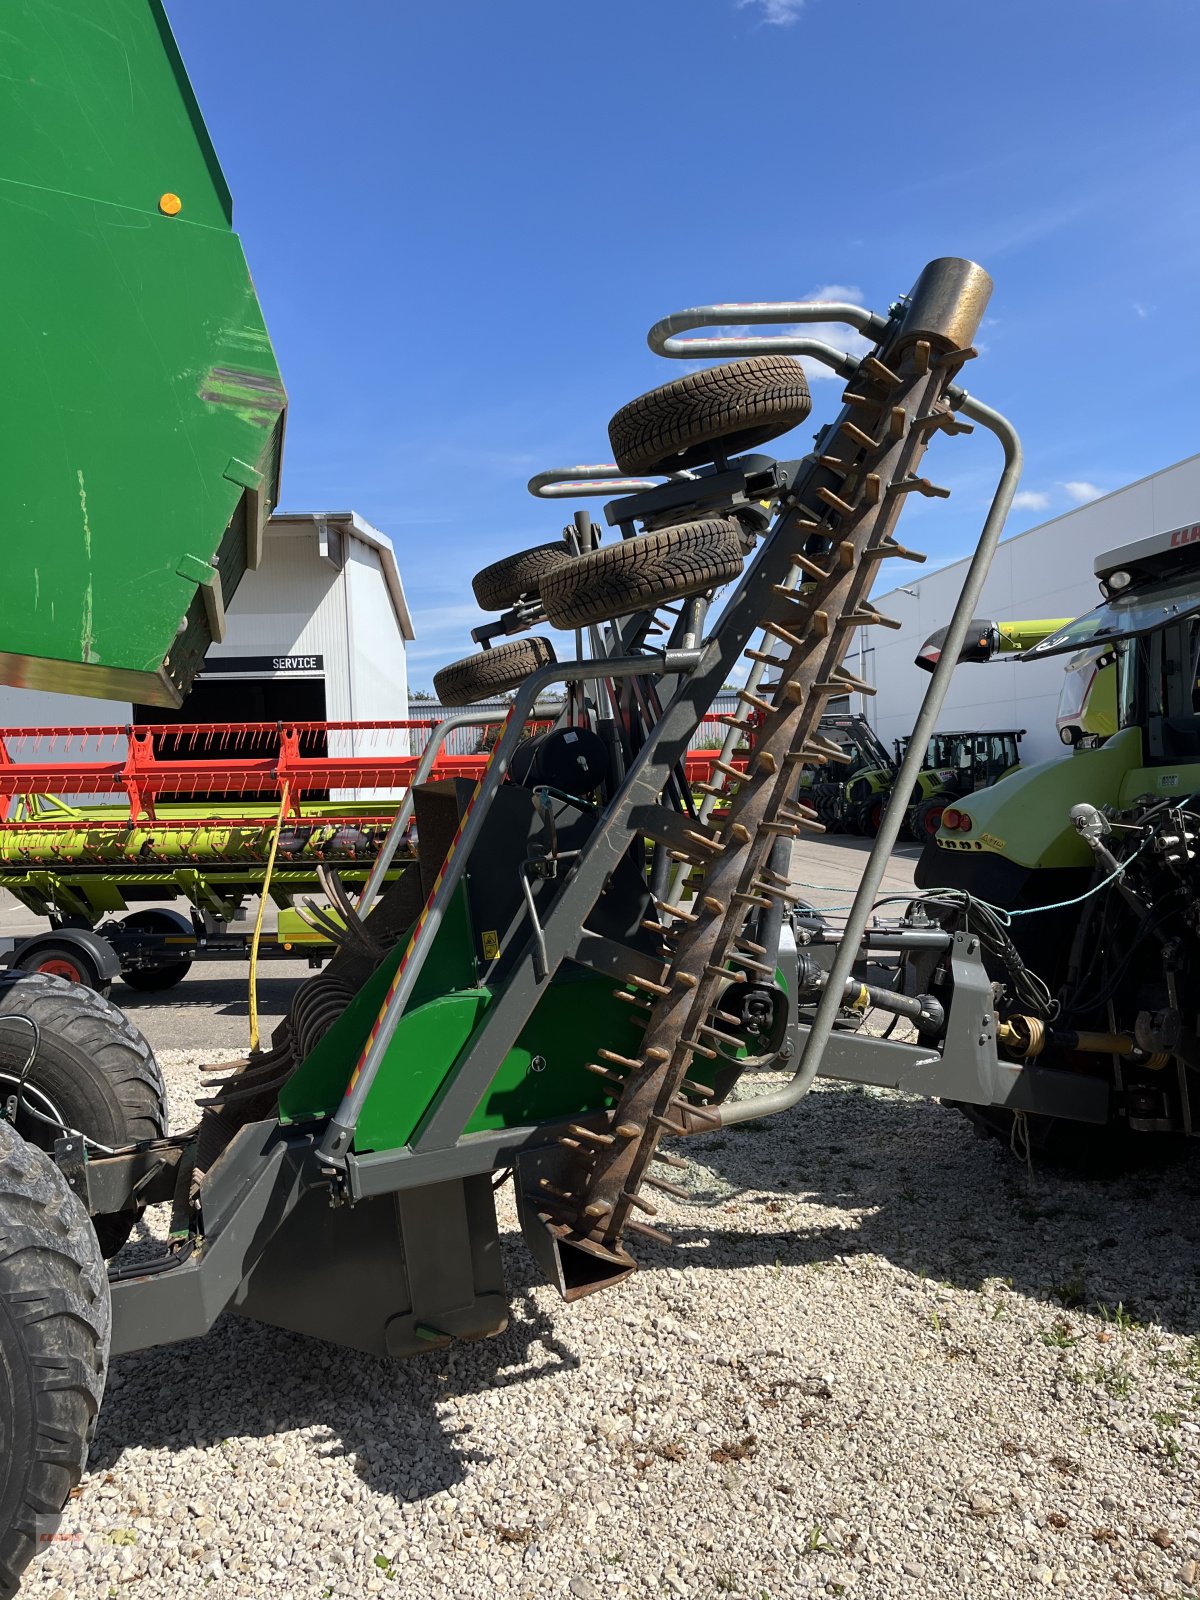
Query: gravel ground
[{"x": 883, "y": 1360}]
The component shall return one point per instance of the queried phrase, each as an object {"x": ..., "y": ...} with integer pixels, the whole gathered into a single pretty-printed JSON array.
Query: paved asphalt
[{"x": 209, "y": 1009}]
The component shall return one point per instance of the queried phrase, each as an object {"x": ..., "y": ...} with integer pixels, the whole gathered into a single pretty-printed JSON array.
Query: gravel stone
[{"x": 883, "y": 1360}]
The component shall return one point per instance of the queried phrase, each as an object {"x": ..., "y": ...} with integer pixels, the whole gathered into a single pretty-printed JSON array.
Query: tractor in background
[
  {"x": 864, "y": 755},
  {"x": 954, "y": 765}
]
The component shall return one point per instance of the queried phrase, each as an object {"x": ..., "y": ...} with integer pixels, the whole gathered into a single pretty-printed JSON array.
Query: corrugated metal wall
[{"x": 1046, "y": 572}]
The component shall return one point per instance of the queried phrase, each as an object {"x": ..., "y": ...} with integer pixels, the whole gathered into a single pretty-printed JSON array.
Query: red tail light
[
  {"x": 964, "y": 823},
  {"x": 950, "y": 817}
]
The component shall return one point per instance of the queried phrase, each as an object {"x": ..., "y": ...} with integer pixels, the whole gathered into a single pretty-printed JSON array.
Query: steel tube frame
[
  {"x": 387, "y": 851},
  {"x": 664, "y": 339},
  {"x": 889, "y": 832},
  {"x": 340, "y": 1132},
  {"x": 565, "y": 483},
  {"x": 754, "y": 313}
]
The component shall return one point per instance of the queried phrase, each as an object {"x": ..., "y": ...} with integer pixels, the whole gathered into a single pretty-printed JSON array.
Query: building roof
[{"x": 356, "y": 527}]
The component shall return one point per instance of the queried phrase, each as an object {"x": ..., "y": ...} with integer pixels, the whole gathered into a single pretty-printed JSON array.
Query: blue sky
[{"x": 463, "y": 217}]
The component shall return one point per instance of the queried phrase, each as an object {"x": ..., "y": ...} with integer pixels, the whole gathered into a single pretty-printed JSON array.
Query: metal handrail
[
  {"x": 664, "y": 341},
  {"x": 606, "y": 477},
  {"x": 889, "y": 830}
]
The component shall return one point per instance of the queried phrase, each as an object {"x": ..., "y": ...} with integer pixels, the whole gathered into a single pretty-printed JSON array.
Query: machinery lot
[{"x": 883, "y": 1360}]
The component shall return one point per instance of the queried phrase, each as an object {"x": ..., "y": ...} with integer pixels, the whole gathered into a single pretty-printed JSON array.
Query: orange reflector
[{"x": 170, "y": 204}]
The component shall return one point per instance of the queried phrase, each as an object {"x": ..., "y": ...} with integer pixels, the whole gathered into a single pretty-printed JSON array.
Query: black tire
[
  {"x": 93, "y": 1069},
  {"x": 69, "y": 962},
  {"x": 492, "y": 672},
  {"x": 55, "y": 1331},
  {"x": 735, "y": 406},
  {"x": 868, "y": 815},
  {"x": 154, "y": 980},
  {"x": 503, "y": 583},
  {"x": 641, "y": 573},
  {"x": 925, "y": 820}
]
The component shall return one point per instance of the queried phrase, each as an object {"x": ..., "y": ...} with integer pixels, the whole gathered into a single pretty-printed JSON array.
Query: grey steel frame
[{"x": 395, "y": 834}]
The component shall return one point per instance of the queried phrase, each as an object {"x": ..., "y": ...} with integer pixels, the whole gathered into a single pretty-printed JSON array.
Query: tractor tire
[
  {"x": 925, "y": 819},
  {"x": 492, "y": 672},
  {"x": 55, "y": 1331},
  {"x": 154, "y": 980},
  {"x": 503, "y": 583},
  {"x": 725, "y": 409},
  {"x": 69, "y": 962},
  {"x": 93, "y": 1073},
  {"x": 869, "y": 816},
  {"x": 641, "y": 573}
]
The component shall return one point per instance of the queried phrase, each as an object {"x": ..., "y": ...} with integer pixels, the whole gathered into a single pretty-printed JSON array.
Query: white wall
[
  {"x": 293, "y": 605},
  {"x": 1046, "y": 572},
  {"x": 377, "y": 666}
]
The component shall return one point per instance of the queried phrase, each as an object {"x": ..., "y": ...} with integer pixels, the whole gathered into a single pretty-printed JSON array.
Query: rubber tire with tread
[
  {"x": 920, "y": 815},
  {"x": 641, "y": 573},
  {"x": 154, "y": 980},
  {"x": 503, "y": 583},
  {"x": 492, "y": 672},
  {"x": 39, "y": 961},
  {"x": 92, "y": 1064},
  {"x": 737, "y": 405},
  {"x": 866, "y": 821},
  {"x": 55, "y": 1332}
]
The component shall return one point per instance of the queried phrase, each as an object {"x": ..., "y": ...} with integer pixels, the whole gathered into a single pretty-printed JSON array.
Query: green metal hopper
[{"x": 143, "y": 409}]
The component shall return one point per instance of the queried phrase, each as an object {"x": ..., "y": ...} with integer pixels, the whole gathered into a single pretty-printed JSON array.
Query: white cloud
[
  {"x": 1141, "y": 311},
  {"x": 1030, "y": 500},
  {"x": 1081, "y": 491},
  {"x": 778, "y": 12}
]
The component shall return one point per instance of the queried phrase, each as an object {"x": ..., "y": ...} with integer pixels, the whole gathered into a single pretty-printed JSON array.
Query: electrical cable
[{"x": 258, "y": 921}]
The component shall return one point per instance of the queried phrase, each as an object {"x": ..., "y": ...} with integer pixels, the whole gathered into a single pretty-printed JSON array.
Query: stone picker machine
[{"x": 534, "y": 995}]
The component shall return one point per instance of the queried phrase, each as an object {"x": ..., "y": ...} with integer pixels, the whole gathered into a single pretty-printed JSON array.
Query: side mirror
[{"x": 981, "y": 644}]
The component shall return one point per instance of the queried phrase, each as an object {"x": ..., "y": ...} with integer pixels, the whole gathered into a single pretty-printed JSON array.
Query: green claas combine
[
  {"x": 532, "y": 996},
  {"x": 1093, "y": 859}
]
